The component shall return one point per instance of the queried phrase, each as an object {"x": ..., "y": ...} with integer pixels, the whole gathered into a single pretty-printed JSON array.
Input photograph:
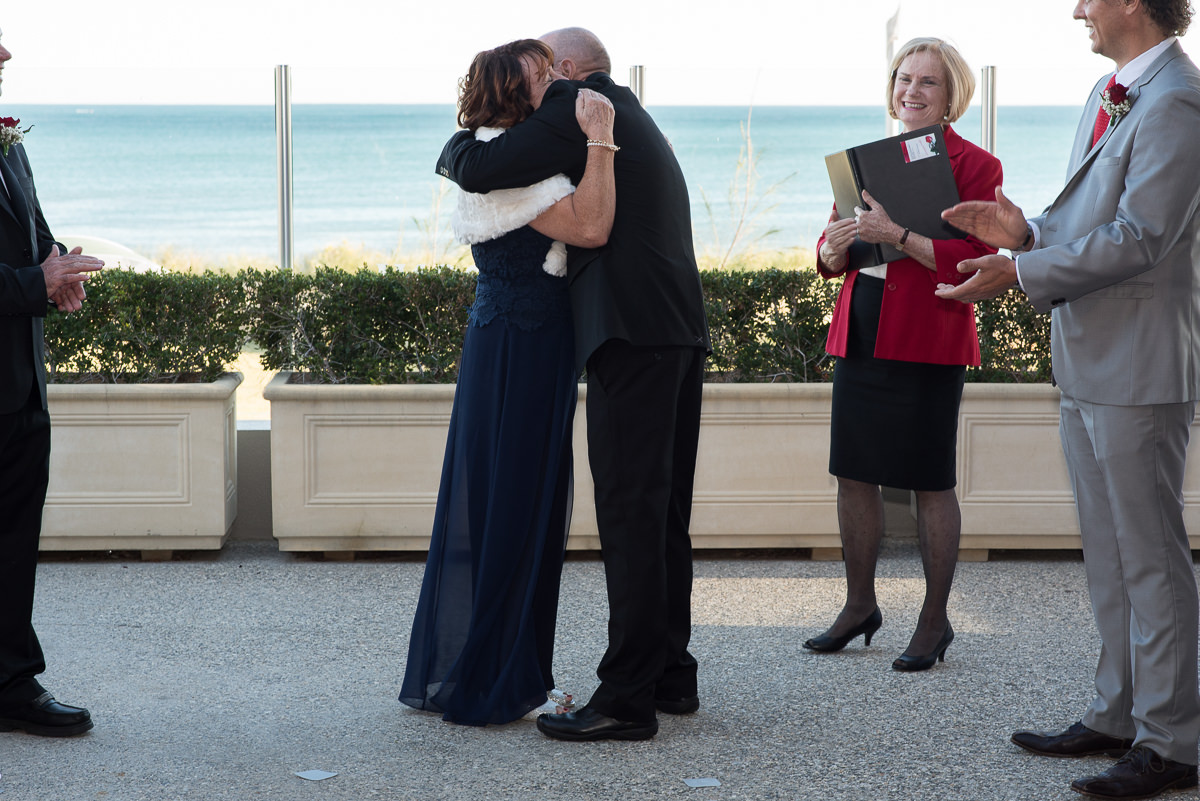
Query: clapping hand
[
  {"x": 1000, "y": 224},
  {"x": 994, "y": 275},
  {"x": 64, "y": 275}
]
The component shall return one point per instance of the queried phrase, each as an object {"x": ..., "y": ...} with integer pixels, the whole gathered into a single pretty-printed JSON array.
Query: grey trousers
[{"x": 1126, "y": 465}]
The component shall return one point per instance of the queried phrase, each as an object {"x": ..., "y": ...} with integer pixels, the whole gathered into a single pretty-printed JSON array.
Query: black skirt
[{"x": 894, "y": 423}]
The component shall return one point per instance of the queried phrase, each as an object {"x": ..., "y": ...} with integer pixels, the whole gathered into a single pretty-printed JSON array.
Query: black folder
[{"x": 911, "y": 178}]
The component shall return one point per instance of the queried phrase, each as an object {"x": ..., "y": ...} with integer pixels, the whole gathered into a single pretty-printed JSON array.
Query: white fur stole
[{"x": 482, "y": 217}]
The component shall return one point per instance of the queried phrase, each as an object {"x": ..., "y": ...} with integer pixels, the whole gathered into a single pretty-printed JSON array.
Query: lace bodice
[{"x": 512, "y": 284}]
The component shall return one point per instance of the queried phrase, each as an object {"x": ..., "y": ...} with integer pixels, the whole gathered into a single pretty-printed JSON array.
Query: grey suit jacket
[{"x": 1118, "y": 261}]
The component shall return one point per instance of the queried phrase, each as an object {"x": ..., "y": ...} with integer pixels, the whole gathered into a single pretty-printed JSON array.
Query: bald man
[{"x": 641, "y": 334}]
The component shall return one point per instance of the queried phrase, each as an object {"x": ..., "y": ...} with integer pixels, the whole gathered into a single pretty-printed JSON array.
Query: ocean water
[{"x": 202, "y": 180}]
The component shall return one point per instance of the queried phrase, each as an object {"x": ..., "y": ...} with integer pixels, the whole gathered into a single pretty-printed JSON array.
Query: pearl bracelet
[{"x": 599, "y": 143}]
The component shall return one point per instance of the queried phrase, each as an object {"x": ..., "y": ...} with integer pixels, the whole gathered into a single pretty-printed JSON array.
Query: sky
[{"x": 695, "y": 52}]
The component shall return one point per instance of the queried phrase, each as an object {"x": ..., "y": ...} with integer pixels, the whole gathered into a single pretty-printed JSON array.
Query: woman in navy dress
[{"x": 483, "y": 636}]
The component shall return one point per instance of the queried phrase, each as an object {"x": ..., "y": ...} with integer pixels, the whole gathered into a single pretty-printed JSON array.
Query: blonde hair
[{"x": 960, "y": 82}]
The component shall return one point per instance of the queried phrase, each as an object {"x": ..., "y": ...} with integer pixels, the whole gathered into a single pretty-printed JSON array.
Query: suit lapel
[
  {"x": 18, "y": 204},
  {"x": 1108, "y": 132},
  {"x": 1084, "y": 153},
  {"x": 12, "y": 186},
  {"x": 1135, "y": 91},
  {"x": 1083, "y": 135}
]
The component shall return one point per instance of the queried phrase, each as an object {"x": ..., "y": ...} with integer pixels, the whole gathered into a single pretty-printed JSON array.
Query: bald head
[{"x": 577, "y": 52}]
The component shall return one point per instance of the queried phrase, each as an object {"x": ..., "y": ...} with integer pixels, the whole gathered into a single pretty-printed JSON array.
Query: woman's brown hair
[{"x": 494, "y": 93}]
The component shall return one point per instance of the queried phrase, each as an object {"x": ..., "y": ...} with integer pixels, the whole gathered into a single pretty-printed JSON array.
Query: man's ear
[{"x": 567, "y": 67}]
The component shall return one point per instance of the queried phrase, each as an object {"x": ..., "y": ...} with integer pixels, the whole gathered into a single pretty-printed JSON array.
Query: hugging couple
[{"x": 580, "y": 227}]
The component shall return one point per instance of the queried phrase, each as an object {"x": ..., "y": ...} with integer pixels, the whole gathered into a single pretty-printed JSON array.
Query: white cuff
[{"x": 1037, "y": 234}]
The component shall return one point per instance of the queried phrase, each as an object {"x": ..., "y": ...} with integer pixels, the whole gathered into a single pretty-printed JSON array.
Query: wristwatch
[
  {"x": 903, "y": 239},
  {"x": 1028, "y": 238}
]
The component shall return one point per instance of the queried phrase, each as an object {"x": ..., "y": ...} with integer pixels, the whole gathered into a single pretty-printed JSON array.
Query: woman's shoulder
[
  {"x": 968, "y": 149},
  {"x": 971, "y": 163}
]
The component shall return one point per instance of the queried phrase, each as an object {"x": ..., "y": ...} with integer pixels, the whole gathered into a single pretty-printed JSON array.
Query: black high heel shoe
[
  {"x": 867, "y": 628},
  {"x": 910, "y": 664}
]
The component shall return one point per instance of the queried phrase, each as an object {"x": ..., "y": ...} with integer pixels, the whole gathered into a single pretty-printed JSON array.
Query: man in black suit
[
  {"x": 641, "y": 333},
  {"x": 35, "y": 272}
]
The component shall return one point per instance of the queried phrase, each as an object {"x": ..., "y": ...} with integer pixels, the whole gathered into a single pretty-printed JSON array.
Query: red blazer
[{"x": 914, "y": 324}]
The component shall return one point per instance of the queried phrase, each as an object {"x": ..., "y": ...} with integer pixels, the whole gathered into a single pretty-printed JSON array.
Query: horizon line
[{"x": 78, "y": 105}]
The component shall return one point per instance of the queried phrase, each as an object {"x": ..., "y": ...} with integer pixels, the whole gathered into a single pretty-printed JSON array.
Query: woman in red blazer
[{"x": 902, "y": 356}]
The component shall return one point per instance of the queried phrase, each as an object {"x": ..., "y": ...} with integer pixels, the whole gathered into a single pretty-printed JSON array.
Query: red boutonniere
[
  {"x": 1115, "y": 101},
  {"x": 10, "y": 133}
]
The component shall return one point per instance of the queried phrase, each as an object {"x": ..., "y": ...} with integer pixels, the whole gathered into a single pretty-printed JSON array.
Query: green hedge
[
  {"x": 768, "y": 325},
  {"x": 1014, "y": 342},
  {"x": 399, "y": 326},
  {"x": 364, "y": 327},
  {"x": 149, "y": 328}
]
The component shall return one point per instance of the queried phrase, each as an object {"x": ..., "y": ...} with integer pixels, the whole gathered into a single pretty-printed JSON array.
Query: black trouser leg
[
  {"x": 643, "y": 408},
  {"x": 24, "y": 473}
]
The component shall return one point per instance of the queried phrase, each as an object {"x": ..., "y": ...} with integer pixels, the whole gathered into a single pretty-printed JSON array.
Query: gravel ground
[{"x": 219, "y": 676}]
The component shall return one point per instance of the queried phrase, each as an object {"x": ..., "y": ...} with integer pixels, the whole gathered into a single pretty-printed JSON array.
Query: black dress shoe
[
  {"x": 826, "y": 643},
  {"x": 587, "y": 724},
  {"x": 1141, "y": 773},
  {"x": 678, "y": 706},
  {"x": 1076, "y": 741},
  {"x": 907, "y": 663},
  {"x": 46, "y": 717}
]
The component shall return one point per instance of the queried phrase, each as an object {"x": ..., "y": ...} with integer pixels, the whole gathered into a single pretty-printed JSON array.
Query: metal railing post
[
  {"x": 637, "y": 83},
  {"x": 283, "y": 134},
  {"x": 987, "y": 117},
  {"x": 889, "y": 124}
]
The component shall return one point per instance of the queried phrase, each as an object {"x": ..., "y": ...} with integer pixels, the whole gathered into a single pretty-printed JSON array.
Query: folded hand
[
  {"x": 874, "y": 224},
  {"x": 69, "y": 298},
  {"x": 58, "y": 270}
]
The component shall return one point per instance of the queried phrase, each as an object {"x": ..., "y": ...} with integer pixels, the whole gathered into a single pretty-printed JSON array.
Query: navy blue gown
[{"x": 483, "y": 636}]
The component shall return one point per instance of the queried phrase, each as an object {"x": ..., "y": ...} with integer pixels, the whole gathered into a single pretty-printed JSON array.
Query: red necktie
[{"x": 1102, "y": 115}]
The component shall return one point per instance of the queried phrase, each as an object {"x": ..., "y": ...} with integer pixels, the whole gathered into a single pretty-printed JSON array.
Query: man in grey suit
[{"x": 1116, "y": 261}]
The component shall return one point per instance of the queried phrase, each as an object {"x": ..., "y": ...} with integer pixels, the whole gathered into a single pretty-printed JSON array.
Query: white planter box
[
  {"x": 150, "y": 467},
  {"x": 762, "y": 472},
  {"x": 356, "y": 468},
  {"x": 1013, "y": 485}
]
